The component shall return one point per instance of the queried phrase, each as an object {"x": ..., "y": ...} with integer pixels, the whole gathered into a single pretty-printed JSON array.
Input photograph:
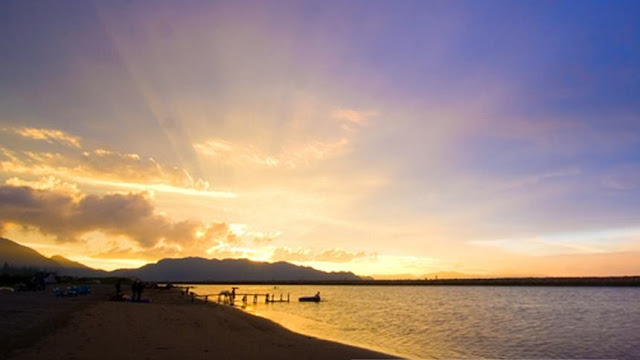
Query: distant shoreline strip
[{"x": 622, "y": 281}]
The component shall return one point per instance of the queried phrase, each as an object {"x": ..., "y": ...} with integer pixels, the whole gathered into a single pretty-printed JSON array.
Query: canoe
[{"x": 315, "y": 298}]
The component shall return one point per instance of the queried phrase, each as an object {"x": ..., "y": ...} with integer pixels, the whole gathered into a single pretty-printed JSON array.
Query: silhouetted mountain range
[
  {"x": 185, "y": 269},
  {"x": 199, "y": 269},
  {"x": 19, "y": 256}
]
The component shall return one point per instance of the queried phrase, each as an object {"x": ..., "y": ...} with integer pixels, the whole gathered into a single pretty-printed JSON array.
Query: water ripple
[{"x": 468, "y": 322}]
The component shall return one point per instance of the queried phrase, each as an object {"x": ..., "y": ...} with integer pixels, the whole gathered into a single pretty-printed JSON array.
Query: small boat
[{"x": 314, "y": 298}]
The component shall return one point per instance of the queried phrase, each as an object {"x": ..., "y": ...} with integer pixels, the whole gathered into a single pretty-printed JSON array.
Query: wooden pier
[{"x": 230, "y": 297}]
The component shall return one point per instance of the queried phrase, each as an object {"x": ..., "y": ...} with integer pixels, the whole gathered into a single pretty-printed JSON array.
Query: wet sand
[{"x": 171, "y": 327}]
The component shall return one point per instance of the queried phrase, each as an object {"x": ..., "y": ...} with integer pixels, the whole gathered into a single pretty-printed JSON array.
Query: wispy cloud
[
  {"x": 351, "y": 116},
  {"x": 535, "y": 178},
  {"x": 623, "y": 178},
  {"x": 603, "y": 241},
  {"x": 293, "y": 154},
  {"x": 102, "y": 167},
  {"x": 329, "y": 255},
  {"x": 49, "y": 135},
  {"x": 231, "y": 154}
]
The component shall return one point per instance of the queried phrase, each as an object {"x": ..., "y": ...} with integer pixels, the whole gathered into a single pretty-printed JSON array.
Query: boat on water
[{"x": 314, "y": 298}]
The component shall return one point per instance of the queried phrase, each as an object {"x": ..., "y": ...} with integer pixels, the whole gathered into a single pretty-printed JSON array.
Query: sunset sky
[{"x": 387, "y": 138}]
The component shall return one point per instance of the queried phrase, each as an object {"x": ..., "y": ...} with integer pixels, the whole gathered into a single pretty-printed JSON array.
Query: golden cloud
[
  {"x": 47, "y": 183},
  {"x": 100, "y": 166},
  {"x": 67, "y": 216}
]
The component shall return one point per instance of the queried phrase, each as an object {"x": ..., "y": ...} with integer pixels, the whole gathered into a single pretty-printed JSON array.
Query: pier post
[
  {"x": 288, "y": 297},
  {"x": 233, "y": 295}
]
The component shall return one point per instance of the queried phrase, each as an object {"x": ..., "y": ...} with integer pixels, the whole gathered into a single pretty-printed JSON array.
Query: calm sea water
[{"x": 463, "y": 322}]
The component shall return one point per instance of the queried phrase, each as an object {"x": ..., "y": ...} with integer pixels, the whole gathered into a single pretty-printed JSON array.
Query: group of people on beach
[{"x": 137, "y": 287}]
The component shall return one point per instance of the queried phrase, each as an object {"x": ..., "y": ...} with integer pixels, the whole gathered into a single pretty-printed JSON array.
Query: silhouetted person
[
  {"x": 134, "y": 288},
  {"x": 140, "y": 290}
]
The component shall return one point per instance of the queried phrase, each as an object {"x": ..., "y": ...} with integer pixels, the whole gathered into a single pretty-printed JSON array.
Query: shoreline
[
  {"x": 247, "y": 308},
  {"x": 587, "y": 281},
  {"x": 309, "y": 335},
  {"x": 170, "y": 326},
  {"x": 390, "y": 355}
]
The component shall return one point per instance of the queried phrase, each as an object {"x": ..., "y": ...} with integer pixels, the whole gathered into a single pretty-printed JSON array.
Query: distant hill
[
  {"x": 199, "y": 269},
  {"x": 64, "y": 262},
  {"x": 74, "y": 268},
  {"x": 17, "y": 256},
  {"x": 186, "y": 269}
]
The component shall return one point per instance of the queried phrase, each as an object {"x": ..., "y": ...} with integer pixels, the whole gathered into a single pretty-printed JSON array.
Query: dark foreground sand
[{"x": 40, "y": 326}]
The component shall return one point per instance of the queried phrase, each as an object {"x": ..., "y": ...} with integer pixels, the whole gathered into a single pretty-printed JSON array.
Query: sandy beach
[{"x": 38, "y": 325}]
